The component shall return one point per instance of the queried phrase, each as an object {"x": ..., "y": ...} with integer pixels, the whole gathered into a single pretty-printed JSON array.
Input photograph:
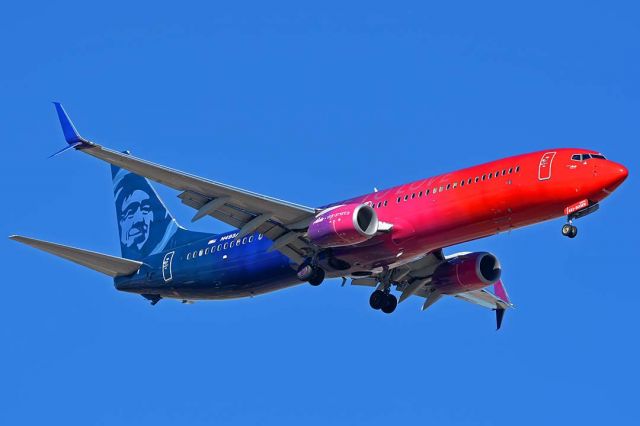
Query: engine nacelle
[
  {"x": 467, "y": 272},
  {"x": 343, "y": 225}
]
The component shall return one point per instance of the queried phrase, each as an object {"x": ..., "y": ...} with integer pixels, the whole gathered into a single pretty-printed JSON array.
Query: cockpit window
[{"x": 584, "y": 157}]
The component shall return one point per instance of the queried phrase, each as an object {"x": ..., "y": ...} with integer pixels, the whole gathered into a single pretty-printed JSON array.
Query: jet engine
[
  {"x": 343, "y": 225},
  {"x": 467, "y": 272}
]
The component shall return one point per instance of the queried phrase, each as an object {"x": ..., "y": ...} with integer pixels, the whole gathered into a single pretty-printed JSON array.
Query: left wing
[{"x": 280, "y": 221}]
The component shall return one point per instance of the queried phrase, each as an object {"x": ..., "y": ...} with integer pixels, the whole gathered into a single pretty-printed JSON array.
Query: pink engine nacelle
[
  {"x": 467, "y": 272},
  {"x": 343, "y": 225}
]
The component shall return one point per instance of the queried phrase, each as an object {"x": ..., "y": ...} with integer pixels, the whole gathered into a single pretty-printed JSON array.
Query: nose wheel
[{"x": 569, "y": 230}]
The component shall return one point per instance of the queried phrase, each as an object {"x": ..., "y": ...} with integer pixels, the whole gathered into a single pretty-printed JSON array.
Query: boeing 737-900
[{"x": 389, "y": 240}]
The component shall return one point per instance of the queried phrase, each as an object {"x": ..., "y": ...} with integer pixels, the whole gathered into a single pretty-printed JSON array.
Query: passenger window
[
  {"x": 490, "y": 175},
  {"x": 484, "y": 177},
  {"x": 251, "y": 239},
  {"x": 435, "y": 191},
  {"x": 399, "y": 198},
  {"x": 244, "y": 240},
  {"x": 260, "y": 236},
  {"x": 238, "y": 242},
  {"x": 517, "y": 169},
  {"x": 195, "y": 254},
  {"x": 226, "y": 246},
  {"x": 188, "y": 256},
  {"x": 455, "y": 184},
  {"x": 379, "y": 204},
  {"x": 413, "y": 195},
  {"x": 462, "y": 183},
  {"x": 219, "y": 247},
  {"x": 420, "y": 194},
  {"x": 231, "y": 244},
  {"x": 385, "y": 203},
  {"x": 206, "y": 251},
  {"x": 469, "y": 181},
  {"x": 448, "y": 186},
  {"x": 504, "y": 172},
  {"x": 441, "y": 189},
  {"x": 200, "y": 253},
  {"x": 406, "y": 197},
  {"x": 477, "y": 179},
  {"x": 510, "y": 170}
]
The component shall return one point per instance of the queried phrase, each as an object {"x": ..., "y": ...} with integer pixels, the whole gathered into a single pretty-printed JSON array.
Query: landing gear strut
[
  {"x": 386, "y": 302},
  {"x": 569, "y": 230}
]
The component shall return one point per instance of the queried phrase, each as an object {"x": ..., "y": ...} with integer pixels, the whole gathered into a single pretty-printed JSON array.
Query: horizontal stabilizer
[{"x": 109, "y": 265}]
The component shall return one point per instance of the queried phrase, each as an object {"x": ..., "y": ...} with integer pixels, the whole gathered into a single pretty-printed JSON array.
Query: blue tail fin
[{"x": 145, "y": 225}]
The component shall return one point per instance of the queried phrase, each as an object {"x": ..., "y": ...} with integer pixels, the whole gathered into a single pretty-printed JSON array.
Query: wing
[
  {"x": 414, "y": 279},
  {"x": 248, "y": 211},
  {"x": 280, "y": 221}
]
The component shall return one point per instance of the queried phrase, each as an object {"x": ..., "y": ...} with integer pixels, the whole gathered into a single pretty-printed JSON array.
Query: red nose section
[{"x": 616, "y": 174}]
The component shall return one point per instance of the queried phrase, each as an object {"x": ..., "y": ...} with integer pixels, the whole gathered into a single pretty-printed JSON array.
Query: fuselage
[{"x": 425, "y": 215}]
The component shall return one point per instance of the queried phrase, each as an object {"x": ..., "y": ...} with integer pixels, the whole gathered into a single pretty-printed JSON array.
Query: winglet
[
  {"x": 499, "y": 317},
  {"x": 501, "y": 292},
  {"x": 71, "y": 135}
]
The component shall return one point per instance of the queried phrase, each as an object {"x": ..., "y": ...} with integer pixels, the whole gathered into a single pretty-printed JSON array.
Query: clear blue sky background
[{"x": 313, "y": 103}]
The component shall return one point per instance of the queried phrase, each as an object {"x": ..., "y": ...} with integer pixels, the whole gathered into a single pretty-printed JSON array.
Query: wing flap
[{"x": 109, "y": 265}]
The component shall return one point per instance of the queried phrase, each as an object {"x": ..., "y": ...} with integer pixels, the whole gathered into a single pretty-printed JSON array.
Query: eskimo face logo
[
  {"x": 136, "y": 217},
  {"x": 142, "y": 219}
]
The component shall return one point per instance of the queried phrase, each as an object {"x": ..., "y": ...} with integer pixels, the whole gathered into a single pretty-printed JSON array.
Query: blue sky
[{"x": 314, "y": 103}]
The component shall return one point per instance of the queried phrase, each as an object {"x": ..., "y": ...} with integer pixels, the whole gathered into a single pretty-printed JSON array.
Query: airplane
[{"x": 386, "y": 239}]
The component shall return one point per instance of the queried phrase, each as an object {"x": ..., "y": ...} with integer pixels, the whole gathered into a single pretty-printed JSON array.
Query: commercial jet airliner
[{"x": 389, "y": 239}]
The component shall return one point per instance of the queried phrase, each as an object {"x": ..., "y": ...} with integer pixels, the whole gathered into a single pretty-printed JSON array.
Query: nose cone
[{"x": 614, "y": 174}]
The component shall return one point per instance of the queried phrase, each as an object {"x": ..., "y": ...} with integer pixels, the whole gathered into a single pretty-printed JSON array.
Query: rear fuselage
[{"x": 426, "y": 215}]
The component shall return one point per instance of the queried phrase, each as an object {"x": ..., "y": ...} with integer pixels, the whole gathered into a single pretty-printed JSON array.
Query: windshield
[{"x": 583, "y": 157}]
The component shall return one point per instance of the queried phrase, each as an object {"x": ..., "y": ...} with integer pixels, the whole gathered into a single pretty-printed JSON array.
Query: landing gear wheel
[
  {"x": 376, "y": 300},
  {"x": 389, "y": 304},
  {"x": 317, "y": 277},
  {"x": 569, "y": 230}
]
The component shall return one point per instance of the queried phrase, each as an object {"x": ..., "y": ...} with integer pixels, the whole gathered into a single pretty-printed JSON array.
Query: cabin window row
[
  {"x": 221, "y": 246},
  {"x": 454, "y": 185}
]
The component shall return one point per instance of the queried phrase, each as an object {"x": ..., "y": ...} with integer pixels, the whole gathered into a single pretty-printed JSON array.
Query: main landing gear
[
  {"x": 386, "y": 302},
  {"x": 311, "y": 273},
  {"x": 569, "y": 230}
]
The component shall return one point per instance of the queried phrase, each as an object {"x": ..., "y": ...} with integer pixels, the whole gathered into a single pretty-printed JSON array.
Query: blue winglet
[{"x": 70, "y": 133}]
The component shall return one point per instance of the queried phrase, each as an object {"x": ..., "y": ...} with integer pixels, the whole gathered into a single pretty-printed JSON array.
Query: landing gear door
[
  {"x": 167, "y": 266},
  {"x": 544, "y": 169}
]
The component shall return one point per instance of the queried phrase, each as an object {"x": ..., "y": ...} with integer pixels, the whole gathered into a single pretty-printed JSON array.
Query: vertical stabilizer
[{"x": 145, "y": 225}]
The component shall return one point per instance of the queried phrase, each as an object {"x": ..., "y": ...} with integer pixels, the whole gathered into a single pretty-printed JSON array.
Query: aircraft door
[
  {"x": 167, "y": 266},
  {"x": 544, "y": 168}
]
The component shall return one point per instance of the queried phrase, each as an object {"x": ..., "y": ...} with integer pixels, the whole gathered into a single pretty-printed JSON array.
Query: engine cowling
[
  {"x": 467, "y": 272},
  {"x": 343, "y": 225}
]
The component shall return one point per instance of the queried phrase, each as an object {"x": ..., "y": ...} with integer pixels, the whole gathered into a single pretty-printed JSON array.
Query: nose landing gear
[{"x": 569, "y": 230}]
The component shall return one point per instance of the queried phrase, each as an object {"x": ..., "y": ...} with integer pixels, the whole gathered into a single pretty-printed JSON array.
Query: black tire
[
  {"x": 567, "y": 229},
  {"x": 574, "y": 232},
  {"x": 390, "y": 304},
  {"x": 376, "y": 299},
  {"x": 306, "y": 272},
  {"x": 317, "y": 277}
]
